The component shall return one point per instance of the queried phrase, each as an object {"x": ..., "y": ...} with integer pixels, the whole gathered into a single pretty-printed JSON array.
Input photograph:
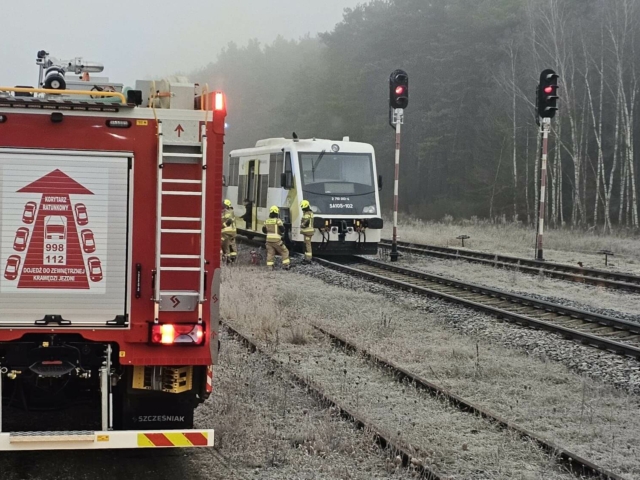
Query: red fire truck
[{"x": 109, "y": 309}]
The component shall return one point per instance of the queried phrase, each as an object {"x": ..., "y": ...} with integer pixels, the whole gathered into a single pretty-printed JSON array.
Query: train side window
[
  {"x": 286, "y": 179},
  {"x": 272, "y": 170},
  {"x": 263, "y": 189},
  {"x": 234, "y": 172},
  {"x": 251, "y": 181},
  {"x": 241, "y": 189},
  {"x": 279, "y": 166}
]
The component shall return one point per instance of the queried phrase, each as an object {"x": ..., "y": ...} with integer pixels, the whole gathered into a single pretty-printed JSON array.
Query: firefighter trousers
[
  {"x": 277, "y": 248},
  {"x": 308, "y": 253},
  {"x": 229, "y": 245}
]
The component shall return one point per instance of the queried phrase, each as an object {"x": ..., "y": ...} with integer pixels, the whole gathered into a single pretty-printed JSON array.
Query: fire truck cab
[{"x": 109, "y": 300}]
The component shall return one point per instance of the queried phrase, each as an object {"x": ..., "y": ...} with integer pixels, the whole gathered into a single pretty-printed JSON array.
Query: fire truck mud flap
[{"x": 88, "y": 440}]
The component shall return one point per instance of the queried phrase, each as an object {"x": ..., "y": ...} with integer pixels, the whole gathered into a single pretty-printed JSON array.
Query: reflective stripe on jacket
[
  {"x": 273, "y": 227},
  {"x": 226, "y": 226},
  {"x": 306, "y": 225}
]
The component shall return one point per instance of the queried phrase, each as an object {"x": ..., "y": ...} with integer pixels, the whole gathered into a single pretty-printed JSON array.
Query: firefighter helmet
[
  {"x": 227, "y": 203},
  {"x": 304, "y": 204},
  {"x": 274, "y": 209}
]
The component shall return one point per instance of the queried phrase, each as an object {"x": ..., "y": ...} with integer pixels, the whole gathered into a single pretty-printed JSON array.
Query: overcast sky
[{"x": 135, "y": 39}]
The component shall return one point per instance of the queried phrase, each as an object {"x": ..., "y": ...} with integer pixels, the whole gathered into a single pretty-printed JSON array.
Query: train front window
[
  {"x": 338, "y": 183},
  {"x": 336, "y": 168}
]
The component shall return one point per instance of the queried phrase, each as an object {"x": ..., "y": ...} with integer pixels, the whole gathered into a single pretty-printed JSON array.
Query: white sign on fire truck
[{"x": 63, "y": 224}]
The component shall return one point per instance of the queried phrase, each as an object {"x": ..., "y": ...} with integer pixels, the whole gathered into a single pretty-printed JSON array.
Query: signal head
[
  {"x": 399, "y": 89},
  {"x": 548, "y": 94}
]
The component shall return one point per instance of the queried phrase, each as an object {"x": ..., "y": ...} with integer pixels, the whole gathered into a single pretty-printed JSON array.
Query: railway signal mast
[
  {"x": 546, "y": 106},
  {"x": 398, "y": 101}
]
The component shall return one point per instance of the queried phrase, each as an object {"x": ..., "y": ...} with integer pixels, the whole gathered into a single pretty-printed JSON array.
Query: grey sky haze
[{"x": 135, "y": 39}]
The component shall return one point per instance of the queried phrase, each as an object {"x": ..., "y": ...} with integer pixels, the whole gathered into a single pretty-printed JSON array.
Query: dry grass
[
  {"x": 561, "y": 245},
  {"x": 580, "y": 414}
]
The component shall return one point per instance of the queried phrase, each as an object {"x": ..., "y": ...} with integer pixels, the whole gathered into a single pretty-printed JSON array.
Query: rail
[
  {"x": 607, "y": 333},
  {"x": 590, "y": 276},
  {"x": 49, "y": 91},
  {"x": 400, "y": 374},
  {"x": 384, "y": 439},
  {"x": 577, "y": 465}
]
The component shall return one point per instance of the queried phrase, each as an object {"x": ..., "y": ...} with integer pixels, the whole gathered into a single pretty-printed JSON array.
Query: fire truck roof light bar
[{"x": 91, "y": 93}]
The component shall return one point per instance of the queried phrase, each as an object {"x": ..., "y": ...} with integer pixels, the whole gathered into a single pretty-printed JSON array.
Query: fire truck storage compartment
[{"x": 72, "y": 211}]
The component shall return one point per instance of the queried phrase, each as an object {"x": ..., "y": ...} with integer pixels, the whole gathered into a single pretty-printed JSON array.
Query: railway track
[
  {"x": 383, "y": 439},
  {"x": 589, "y": 276},
  {"x": 577, "y": 465},
  {"x": 607, "y": 333}
]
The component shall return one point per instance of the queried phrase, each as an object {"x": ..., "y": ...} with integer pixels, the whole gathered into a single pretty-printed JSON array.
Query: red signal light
[
  {"x": 172, "y": 334},
  {"x": 399, "y": 90},
  {"x": 548, "y": 90}
]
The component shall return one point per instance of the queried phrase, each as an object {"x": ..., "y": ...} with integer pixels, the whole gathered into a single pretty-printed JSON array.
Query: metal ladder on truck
[{"x": 163, "y": 195}]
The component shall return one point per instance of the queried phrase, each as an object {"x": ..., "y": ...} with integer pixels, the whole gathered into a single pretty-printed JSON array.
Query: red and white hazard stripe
[
  {"x": 210, "y": 379},
  {"x": 543, "y": 187}
]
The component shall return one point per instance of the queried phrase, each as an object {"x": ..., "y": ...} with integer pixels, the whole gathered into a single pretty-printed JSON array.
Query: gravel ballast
[
  {"x": 516, "y": 372},
  {"x": 604, "y": 301}
]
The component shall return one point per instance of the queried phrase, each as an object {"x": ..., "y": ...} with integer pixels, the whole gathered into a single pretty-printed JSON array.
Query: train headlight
[
  {"x": 370, "y": 209},
  {"x": 315, "y": 209}
]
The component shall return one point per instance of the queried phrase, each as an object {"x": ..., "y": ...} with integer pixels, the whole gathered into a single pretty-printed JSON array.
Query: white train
[{"x": 338, "y": 178}]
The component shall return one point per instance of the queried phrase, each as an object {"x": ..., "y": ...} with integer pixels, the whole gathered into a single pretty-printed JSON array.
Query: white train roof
[{"x": 305, "y": 144}]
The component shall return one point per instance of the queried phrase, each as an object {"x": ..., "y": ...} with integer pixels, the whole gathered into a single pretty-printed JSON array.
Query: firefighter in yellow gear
[
  {"x": 306, "y": 229},
  {"x": 274, "y": 229},
  {"x": 229, "y": 248}
]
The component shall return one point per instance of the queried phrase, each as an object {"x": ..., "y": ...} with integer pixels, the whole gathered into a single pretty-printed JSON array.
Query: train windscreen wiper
[{"x": 315, "y": 164}]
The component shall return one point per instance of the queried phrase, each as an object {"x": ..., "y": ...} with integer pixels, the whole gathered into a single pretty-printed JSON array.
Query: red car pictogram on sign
[
  {"x": 12, "y": 268},
  {"x": 22, "y": 237},
  {"x": 81, "y": 214},
  {"x": 88, "y": 241},
  {"x": 95, "y": 269},
  {"x": 29, "y": 214}
]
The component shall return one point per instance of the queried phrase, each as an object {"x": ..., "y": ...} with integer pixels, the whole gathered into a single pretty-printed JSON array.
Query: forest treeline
[{"x": 470, "y": 141}]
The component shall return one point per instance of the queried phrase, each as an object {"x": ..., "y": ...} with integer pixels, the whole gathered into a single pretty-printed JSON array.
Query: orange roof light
[{"x": 219, "y": 102}]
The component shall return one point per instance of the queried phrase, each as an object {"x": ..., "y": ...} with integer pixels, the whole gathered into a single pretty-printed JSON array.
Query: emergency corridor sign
[{"x": 63, "y": 221}]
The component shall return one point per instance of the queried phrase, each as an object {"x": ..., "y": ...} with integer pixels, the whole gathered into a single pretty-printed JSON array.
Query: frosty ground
[{"x": 582, "y": 414}]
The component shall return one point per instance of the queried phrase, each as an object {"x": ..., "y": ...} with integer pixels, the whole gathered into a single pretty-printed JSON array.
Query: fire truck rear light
[
  {"x": 3, "y": 118},
  {"x": 219, "y": 102},
  {"x": 118, "y": 123},
  {"x": 177, "y": 334}
]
